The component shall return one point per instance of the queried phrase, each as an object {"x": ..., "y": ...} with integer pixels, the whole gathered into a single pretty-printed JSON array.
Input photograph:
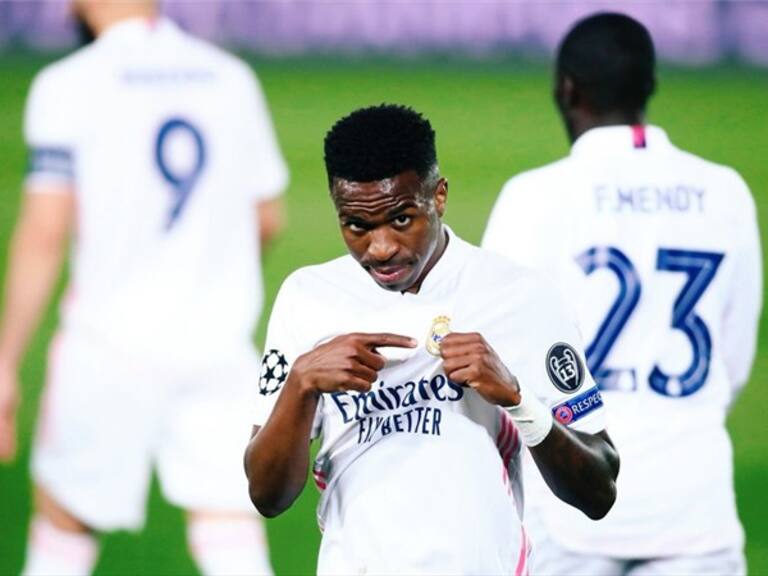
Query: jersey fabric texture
[
  {"x": 659, "y": 250},
  {"x": 167, "y": 144},
  {"x": 420, "y": 474}
]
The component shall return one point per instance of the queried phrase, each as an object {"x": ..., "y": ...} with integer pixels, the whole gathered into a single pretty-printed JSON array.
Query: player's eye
[
  {"x": 402, "y": 221},
  {"x": 356, "y": 227}
]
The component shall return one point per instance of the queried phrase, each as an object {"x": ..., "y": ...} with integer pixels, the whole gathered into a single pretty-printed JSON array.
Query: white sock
[
  {"x": 230, "y": 546},
  {"x": 52, "y": 551}
]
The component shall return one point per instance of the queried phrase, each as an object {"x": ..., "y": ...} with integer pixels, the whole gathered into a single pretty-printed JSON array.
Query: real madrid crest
[
  {"x": 441, "y": 327},
  {"x": 565, "y": 368}
]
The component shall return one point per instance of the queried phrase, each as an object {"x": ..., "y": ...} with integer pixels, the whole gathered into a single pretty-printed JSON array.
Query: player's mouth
[{"x": 390, "y": 274}]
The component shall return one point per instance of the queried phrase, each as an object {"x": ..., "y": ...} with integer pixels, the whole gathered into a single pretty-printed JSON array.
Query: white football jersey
[
  {"x": 420, "y": 475},
  {"x": 169, "y": 145},
  {"x": 659, "y": 250}
]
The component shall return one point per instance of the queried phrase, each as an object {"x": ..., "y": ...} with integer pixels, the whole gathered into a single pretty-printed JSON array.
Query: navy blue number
[
  {"x": 182, "y": 183},
  {"x": 701, "y": 268},
  {"x": 617, "y": 317}
]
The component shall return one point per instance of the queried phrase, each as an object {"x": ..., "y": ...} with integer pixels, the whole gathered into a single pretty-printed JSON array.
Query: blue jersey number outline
[
  {"x": 700, "y": 268},
  {"x": 622, "y": 308},
  {"x": 182, "y": 184}
]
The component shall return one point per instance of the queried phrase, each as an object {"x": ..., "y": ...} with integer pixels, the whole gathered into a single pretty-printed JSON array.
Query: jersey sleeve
[
  {"x": 280, "y": 352},
  {"x": 266, "y": 174},
  {"x": 554, "y": 367},
  {"x": 742, "y": 311},
  {"x": 49, "y": 132}
]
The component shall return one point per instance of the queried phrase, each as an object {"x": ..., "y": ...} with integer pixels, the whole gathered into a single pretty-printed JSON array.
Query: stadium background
[{"x": 494, "y": 117}]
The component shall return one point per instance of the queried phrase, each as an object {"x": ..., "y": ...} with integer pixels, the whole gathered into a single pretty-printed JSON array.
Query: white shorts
[
  {"x": 105, "y": 422},
  {"x": 551, "y": 559}
]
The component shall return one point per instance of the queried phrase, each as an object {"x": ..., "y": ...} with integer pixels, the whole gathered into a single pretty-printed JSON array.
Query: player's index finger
[
  {"x": 463, "y": 337},
  {"x": 389, "y": 339}
]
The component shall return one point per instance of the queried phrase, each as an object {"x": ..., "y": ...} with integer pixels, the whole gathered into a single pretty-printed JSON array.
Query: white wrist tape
[{"x": 532, "y": 418}]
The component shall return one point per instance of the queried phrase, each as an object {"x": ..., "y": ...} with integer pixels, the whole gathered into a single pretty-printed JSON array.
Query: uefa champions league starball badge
[
  {"x": 441, "y": 327},
  {"x": 274, "y": 371}
]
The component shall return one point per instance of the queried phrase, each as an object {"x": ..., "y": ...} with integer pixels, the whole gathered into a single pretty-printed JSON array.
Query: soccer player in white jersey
[
  {"x": 156, "y": 152},
  {"x": 659, "y": 249},
  {"x": 423, "y": 363}
]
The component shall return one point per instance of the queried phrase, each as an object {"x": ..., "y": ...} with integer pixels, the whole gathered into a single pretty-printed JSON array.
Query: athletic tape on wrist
[{"x": 532, "y": 418}]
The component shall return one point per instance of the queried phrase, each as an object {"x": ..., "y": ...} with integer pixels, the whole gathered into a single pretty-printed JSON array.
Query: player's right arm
[
  {"x": 277, "y": 457},
  {"x": 36, "y": 254},
  {"x": 40, "y": 237}
]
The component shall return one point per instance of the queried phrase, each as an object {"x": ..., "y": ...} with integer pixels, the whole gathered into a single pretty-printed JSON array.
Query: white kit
[
  {"x": 420, "y": 474},
  {"x": 168, "y": 146},
  {"x": 659, "y": 251}
]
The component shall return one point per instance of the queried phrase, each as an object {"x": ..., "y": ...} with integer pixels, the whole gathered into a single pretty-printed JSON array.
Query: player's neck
[
  {"x": 120, "y": 13},
  {"x": 583, "y": 122}
]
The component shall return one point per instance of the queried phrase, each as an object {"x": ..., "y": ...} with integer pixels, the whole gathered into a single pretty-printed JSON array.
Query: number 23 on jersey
[{"x": 700, "y": 269}]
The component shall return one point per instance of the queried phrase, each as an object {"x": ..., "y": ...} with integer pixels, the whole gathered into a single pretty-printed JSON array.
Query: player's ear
[
  {"x": 566, "y": 95},
  {"x": 441, "y": 196}
]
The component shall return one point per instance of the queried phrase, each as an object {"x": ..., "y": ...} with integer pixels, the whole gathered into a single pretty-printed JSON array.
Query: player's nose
[{"x": 382, "y": 246}]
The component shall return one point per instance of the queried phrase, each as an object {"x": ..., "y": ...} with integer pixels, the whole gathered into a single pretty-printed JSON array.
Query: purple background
[{"x": 692, "y": 31}]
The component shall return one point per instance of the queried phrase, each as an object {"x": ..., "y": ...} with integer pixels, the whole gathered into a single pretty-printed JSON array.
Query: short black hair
[
  {"x": 380, "y": 142},
  {"x": 611, "y": 59}
]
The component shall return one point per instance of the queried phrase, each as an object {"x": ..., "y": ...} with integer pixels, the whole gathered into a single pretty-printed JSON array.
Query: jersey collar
[
  {"x": 620, "y": 139},
  {"x": 133, "y": 28}
]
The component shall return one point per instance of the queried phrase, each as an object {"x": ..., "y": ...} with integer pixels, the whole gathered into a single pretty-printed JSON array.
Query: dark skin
[
  {"x": 393, "y": 228},
  {"x": 578, "y": 113}
]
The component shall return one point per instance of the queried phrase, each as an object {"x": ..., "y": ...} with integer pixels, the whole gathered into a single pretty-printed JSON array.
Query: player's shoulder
[
  {"x": 500, "y": 288},
  {"x": 70, "y": 71},
  {"x": 494, "y": 273},
  {"x": 550, "y": 171},
  {"x": 710, "y": 167},
  {"x": 201, "y": 50},
  {"x": 538, "y": 183},
  {"x": 725, "y": 181},
  {"x": 318, "y": 280}
]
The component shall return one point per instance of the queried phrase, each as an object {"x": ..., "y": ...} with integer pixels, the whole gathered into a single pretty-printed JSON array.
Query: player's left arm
[
  {"x": 580, "y": 468},
  {"x": 265, "y": 171},
  {"x": 741, "y": 317}
]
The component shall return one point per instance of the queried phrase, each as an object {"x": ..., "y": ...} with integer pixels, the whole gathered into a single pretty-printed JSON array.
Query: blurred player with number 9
[{"x": 155, "y": 152}]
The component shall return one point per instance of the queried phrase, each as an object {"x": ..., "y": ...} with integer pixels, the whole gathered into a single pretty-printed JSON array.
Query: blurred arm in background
[
  {"x": 270, "y": 216},
  {"x": 742, "y": 313},
  {"x": 35, "y": 257}
]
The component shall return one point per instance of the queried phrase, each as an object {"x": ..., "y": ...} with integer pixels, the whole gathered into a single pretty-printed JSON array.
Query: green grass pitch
[{"x": 493, "y": 119}]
